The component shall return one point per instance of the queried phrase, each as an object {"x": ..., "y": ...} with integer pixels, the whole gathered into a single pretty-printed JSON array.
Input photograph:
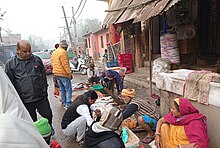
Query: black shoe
[{"x": 52, "y": 131}]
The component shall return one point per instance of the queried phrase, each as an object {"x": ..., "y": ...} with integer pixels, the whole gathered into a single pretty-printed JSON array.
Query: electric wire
[
  {"x": 10, "y": 34},
  {"x": 72, "y": 19},
  {"x": 81, "y": 9}
]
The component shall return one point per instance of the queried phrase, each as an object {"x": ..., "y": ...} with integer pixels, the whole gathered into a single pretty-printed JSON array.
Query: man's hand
[{"x": 71, "y": 76}]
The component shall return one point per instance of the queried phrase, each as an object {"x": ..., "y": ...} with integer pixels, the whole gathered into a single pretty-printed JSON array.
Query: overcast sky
[{"x": 43, "y": 17}]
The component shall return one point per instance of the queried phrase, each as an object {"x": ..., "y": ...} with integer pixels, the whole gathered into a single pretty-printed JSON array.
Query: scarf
[{"x": 195, "y": 123}]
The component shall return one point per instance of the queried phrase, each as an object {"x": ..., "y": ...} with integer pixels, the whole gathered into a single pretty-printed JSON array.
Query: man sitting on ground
[
  {"x": 78, "y": 115},
  {"x": 146, "y": 114},
  {"x": 93, "y": 74}
]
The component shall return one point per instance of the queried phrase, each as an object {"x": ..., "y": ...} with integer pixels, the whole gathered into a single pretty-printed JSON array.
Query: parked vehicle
[
  {"x": 45, "y": 57},
  {"x": 78, "y": 65}
]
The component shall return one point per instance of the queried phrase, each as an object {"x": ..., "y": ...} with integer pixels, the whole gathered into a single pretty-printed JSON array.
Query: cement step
[{"x": 138, "y": 79}]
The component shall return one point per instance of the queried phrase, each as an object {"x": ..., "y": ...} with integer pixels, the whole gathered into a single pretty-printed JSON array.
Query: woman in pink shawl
[{"x": 183, "y": 127}]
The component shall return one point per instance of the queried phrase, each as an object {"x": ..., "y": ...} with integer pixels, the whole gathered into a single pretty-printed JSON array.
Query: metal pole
[{"x": 70, "y": 37}]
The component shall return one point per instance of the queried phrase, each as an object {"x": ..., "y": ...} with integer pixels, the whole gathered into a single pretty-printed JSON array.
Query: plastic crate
[{"x": 125, "y": 56}]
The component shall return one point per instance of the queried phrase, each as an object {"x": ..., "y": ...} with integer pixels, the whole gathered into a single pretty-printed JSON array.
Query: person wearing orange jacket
[{"x": 62, "y": 72}]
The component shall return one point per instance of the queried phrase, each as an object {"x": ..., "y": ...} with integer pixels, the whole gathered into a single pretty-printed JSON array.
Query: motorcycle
[{"x": 78, "y": 65}]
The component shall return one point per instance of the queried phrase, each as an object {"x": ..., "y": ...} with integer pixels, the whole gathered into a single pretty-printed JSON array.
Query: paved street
[{"x": 58, "y": 111}]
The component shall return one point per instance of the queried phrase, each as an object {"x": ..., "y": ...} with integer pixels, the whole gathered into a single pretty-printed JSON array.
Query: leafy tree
[{"x": 87, "y": 26}]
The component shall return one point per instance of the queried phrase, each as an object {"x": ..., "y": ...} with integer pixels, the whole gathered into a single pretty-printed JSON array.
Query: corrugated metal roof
[
  {"x": 155, "y": 8},
  {"x": 112, "y": 17},
  {"x": 131, "y": 13},
  {"x": 145, "y": 12},
  {"x": 140, "y": 13}
]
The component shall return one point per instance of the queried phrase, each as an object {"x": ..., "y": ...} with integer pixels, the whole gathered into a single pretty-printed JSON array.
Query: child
[{"x": 45, "y": 129}]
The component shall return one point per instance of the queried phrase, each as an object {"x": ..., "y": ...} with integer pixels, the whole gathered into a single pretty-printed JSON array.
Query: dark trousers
[
  {"x": 43, "y": 107},
  {"x": 94, "y": 80}
]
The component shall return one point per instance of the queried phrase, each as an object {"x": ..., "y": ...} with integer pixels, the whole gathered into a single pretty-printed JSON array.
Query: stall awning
[
  {"x": 154, "y": 9},
  {"x": 131, "y": 12},
  {"x": 113, "y": 16},
  {"x": 139, "y": 10}
]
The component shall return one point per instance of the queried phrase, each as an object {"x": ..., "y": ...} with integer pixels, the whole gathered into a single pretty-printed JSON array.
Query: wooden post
[{"x": 150, "y": 56}]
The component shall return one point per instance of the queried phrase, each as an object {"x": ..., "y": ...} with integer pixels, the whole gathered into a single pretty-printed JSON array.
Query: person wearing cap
[
  {"x": 145, "y": 113},
  {"x": 62, "y": 72},
  {"x": 27, "y": 73},
  {"x": 93, "y": 74},
  {"x": 111, "y": 77},
  {"x": 78, "y": 116},
  {"x": 46, "y": 131},
  {"x": 102, "y": 133}
]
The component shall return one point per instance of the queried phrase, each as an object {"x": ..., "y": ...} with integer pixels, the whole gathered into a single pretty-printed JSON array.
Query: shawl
[{"x": 195, "y": 123}]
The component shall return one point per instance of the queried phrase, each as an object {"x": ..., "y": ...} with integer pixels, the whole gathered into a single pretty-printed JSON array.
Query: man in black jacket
[
  {"x": 27, "y": 73},
  {"x": 78, "y": 115}
]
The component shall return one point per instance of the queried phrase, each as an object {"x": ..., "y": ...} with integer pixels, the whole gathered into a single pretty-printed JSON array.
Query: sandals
[{"x": 147, "y": 140}]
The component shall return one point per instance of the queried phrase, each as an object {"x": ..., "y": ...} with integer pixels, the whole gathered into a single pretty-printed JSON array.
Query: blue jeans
[{"x": 65, "y": 90}]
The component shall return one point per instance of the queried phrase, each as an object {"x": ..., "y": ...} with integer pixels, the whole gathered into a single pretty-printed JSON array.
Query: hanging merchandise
[{"x": 169, "y": 48}]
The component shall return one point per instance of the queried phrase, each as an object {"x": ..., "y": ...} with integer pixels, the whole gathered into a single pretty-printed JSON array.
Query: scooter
[{"x": 78, "y": 65}]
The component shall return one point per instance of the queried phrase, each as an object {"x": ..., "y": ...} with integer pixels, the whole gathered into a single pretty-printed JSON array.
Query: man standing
[
  {"x": 78, "y": 115},
  {"x": 27, "y": 73},
  {"x": 62, "y": 72}
]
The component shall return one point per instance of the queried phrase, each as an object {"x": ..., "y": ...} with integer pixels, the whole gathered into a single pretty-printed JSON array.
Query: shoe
[
  {"x": 52, "y": 131},
  {"x": 65, "y": 107}
]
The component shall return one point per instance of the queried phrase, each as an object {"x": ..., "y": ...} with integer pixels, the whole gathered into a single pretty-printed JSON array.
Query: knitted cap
[
  {"x": 128, "y": 93},
  {"x": 111, "y": 118},
  {"x": 43, "y": 126},
  {"x": 63, "y": 43}
]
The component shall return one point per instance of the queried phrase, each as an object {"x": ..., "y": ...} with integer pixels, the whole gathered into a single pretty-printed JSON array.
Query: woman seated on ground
[{"x": 183, "y": 127}]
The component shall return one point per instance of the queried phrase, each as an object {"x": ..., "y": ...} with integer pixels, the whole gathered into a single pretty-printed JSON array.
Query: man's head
[
  {"x": 63, "y": 44},
  {"x": 111, "y": 118},
  {"x": 24, "y": 49},
  {"x": 56, "y": 45},
  {"x": 91, "y": 96},
  {"x": 127, "y": 95},
  {"x": 91, "y": 66},
  {"x": 109, "y": 74}
]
